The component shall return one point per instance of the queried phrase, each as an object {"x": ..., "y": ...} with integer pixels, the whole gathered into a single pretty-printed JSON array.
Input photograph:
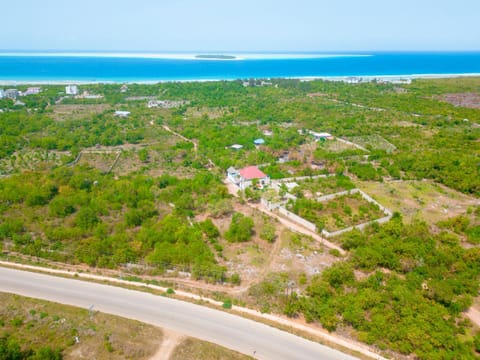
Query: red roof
[{"x": 252, "y": 172}]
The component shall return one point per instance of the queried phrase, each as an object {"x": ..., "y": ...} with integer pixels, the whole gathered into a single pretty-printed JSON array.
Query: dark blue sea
[{"x": 93, "y": 68}]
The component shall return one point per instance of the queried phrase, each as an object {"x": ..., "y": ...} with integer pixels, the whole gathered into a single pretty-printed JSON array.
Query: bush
[
  {"x": 241, "y": 228},
  {"x": 268, "y": 233},
  {"x": 227, "y": 304},
  {"x": 235, "y": 279}
]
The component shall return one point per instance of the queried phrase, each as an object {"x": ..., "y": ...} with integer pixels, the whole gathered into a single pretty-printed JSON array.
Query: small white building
[
  {"x": 71, "y": 90},
  {"x": 2, "y": 93},
  {"x": 32, "y": 91},
  {"x": 236, "y": 147},
  {"x": 321, "y": 135},
  {"x": 121, "y": 113}
]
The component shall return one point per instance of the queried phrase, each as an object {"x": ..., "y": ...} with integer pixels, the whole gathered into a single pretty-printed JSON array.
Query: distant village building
[
  {"x": 122, "y": 113},
  {"x": 11, "y": 94},
  {"x": 321, "y": 135},
  {"x": 87, "y": 95},
  {"x": 284, "y": 157},
  {"x": 19, "y": 103},
  {"x": 71, "y": 90},
  {"x": 236, "y": 147},
  {"x": 166, "y": 104},
  {"x": 32, "y": 91},
  {"x": 267, "y": 132},
  {"x": 352, "y": 80},
  {"x": 124, "y": 88},
  {"x": 245, "y": 177},
  {"x": 2, "y": 93},
  {"x": 259, "y": 141}
]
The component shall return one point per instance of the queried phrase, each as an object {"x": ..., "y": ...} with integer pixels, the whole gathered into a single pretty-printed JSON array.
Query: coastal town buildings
[
  {"x": 32, "y": 91},
  {"x": 11, "y": 94},
  {"x": 2, "y": 93},
  {"x": 71, "y": 90}
]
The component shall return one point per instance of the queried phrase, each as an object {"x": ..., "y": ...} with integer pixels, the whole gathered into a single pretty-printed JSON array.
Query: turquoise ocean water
[{"x": 93, "y": 68}]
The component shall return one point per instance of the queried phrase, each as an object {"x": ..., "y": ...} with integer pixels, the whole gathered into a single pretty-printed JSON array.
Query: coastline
[
  {"x": 200, "y": 56},
  {"x": 389, "y": 77}
]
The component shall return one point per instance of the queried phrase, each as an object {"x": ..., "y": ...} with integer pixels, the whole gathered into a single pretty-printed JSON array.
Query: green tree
[{"x": 241, "y": 228}]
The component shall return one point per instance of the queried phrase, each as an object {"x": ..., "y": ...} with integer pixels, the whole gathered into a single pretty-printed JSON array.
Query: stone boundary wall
[
  {"x": 311, "y": 226},
  {"x": 352, "y": 144},
  {"x": 300, "y": 178},
  {"x": 368, "y": 198},
  {"x": 299, "y": 220}
]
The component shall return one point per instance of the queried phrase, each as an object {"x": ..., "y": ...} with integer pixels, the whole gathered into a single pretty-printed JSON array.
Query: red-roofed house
[{"x": 251, "y": 173}]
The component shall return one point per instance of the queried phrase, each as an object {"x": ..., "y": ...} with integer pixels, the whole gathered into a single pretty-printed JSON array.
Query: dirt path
[
  {"x": 233, "y": 190},
  {"x": 170, "y": 341},
  {"x": 474, "y": 315},
  {"x": 195, "y": 146}
]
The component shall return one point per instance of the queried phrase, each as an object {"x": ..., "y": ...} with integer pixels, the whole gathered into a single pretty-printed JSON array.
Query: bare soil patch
[
  {"x": 468, "y": 100},
  {"x": 170, "y": 341},
  {"x": 426, "y": 200},
  {"x": 203, "y": 350},
  {"x": 211, "y": 112},
  {"x": 75, "y": 112},
  {"x": 82, "y": 334}
]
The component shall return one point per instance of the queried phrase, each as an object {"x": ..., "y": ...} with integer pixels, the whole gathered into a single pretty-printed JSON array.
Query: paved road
[{"x": 228, "y": 330}]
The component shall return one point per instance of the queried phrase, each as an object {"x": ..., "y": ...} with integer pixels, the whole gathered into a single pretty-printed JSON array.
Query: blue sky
[{"x": 241, "y": 25}]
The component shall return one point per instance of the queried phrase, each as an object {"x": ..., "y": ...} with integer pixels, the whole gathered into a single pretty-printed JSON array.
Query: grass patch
[
  {"x": 75, "y": 332},
  {"x": 203, "y": 350}
]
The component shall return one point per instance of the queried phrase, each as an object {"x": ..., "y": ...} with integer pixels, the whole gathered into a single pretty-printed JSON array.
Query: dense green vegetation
[
  {"x": 10, "y": 350},
  {"x": 426, "y": 282},
  {"x": 157, "y": 208},
  {"x": 79, "y": 215}
]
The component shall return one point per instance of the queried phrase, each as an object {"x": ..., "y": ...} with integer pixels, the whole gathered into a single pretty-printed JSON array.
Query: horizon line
[{"x": 344, "y": 51}]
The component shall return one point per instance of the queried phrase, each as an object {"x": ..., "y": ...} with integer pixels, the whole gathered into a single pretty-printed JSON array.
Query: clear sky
[{"x": 241, "y": 25}]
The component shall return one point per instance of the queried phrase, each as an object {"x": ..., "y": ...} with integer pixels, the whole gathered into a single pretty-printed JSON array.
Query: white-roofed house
[{"x": 122, "y": 113}]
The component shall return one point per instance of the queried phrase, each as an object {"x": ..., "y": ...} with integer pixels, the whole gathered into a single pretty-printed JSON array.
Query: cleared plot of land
[
  {"x": 73, "y": 112},
  {"x": 426, "y": 200},
  {"x": 211, "y": 112},
  {"x": 102, "y": 161},
  {"x": 374, "y": 142},
  {"x": 337, "y": 146},
  {"x": 468, "y": 100},
  {"x": 312, "y": 188},
  {"x": 33, "y": 160},
  {"x": 81, "y": 334},
  {"x": 301, "y": 255},
  {"x": 336, "y": 214}
]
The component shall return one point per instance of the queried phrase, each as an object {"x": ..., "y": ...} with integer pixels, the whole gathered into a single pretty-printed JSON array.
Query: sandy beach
[{"x": 365, "y": 78}]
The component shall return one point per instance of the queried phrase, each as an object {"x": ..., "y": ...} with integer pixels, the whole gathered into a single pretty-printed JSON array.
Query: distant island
[{"x": 217, "y": 57}]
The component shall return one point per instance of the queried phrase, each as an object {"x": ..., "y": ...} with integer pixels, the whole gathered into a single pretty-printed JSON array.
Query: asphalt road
[{"x": 225, "y": 329}]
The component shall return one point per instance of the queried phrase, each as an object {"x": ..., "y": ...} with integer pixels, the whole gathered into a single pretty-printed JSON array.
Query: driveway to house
[{"x": 234, "y": 332}]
